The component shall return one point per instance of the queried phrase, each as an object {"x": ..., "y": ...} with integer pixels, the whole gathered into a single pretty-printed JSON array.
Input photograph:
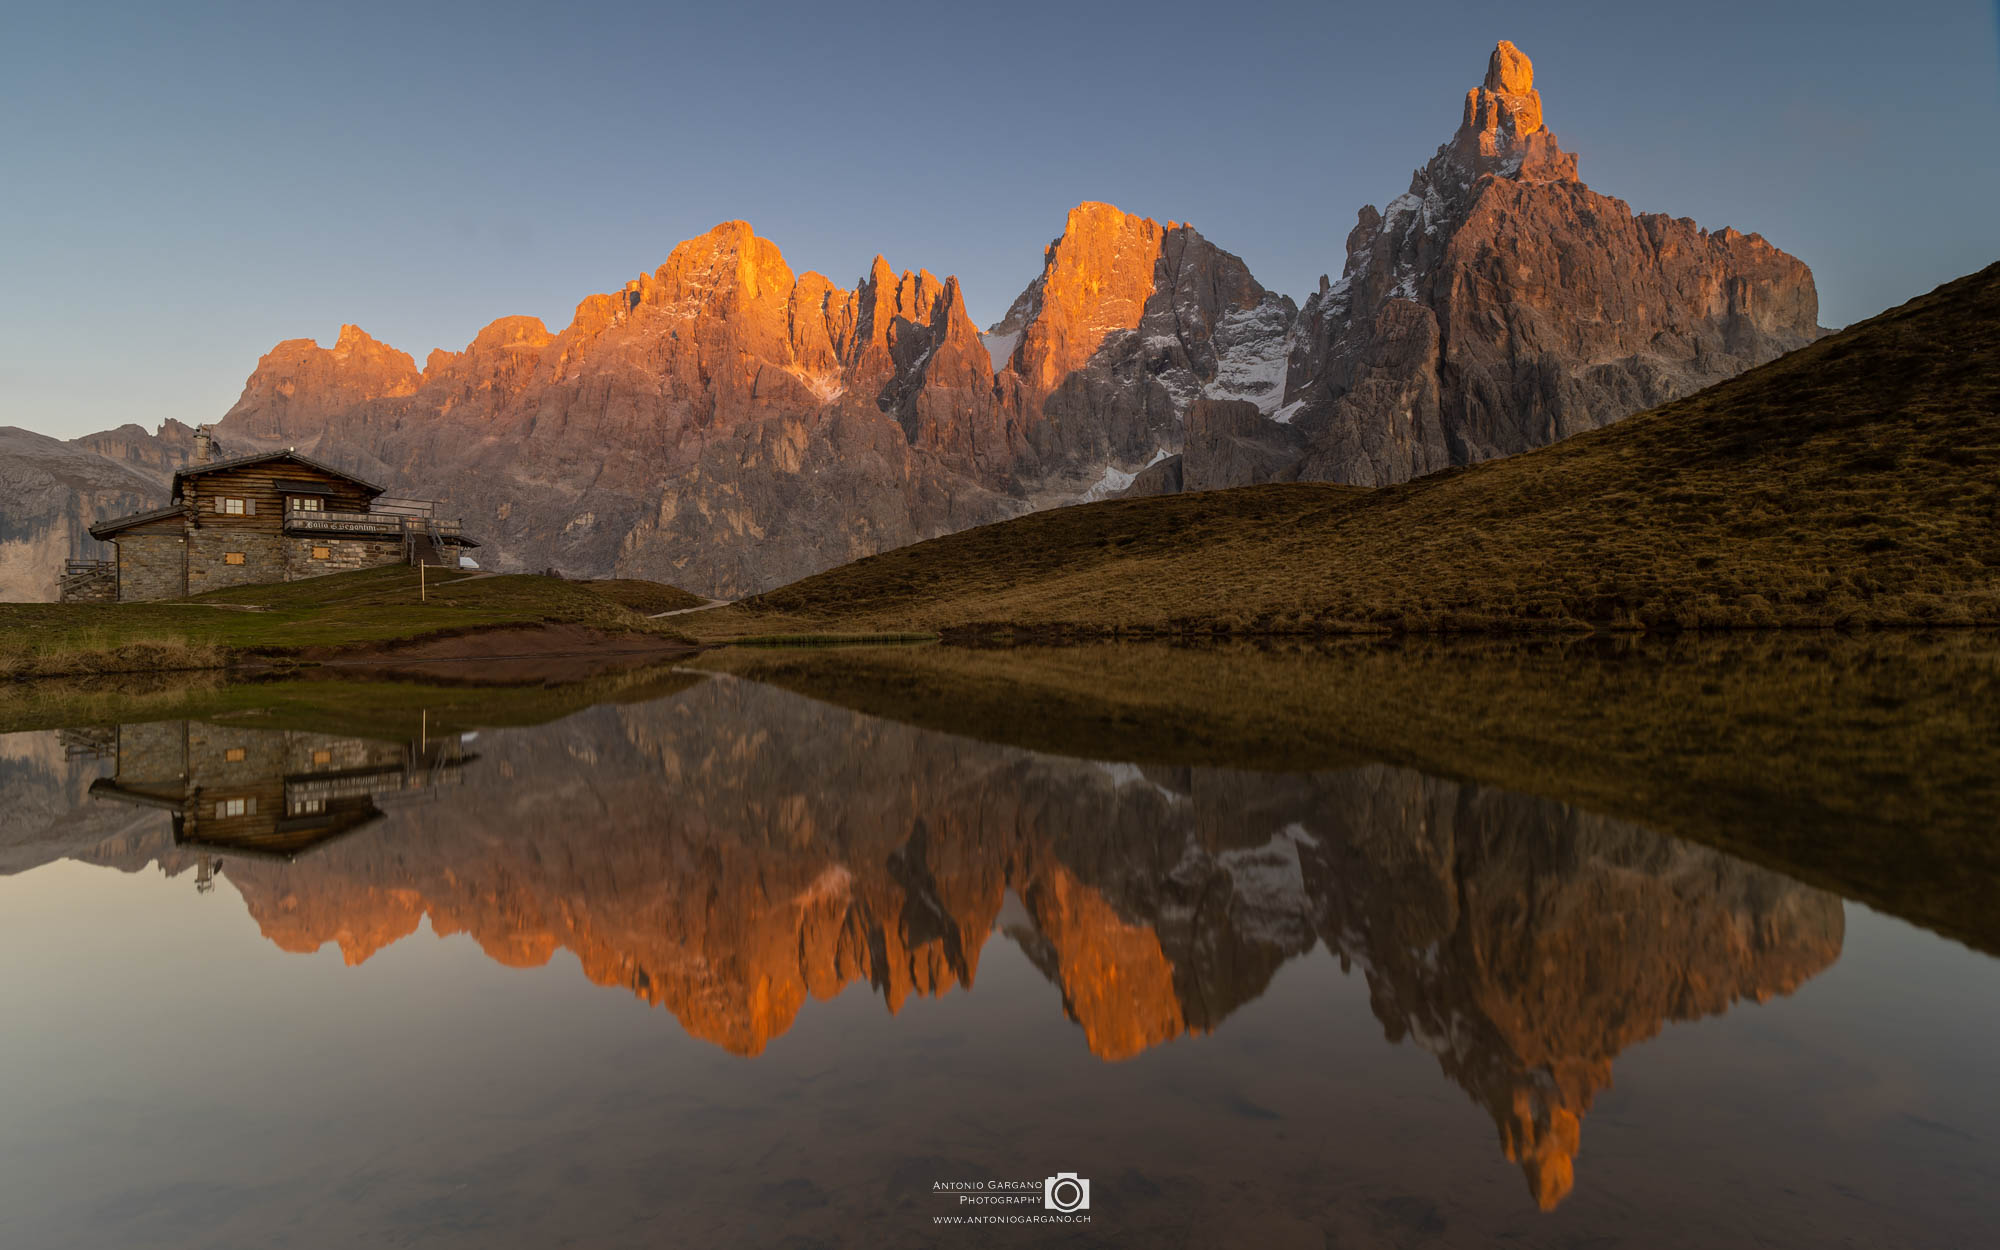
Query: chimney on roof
[{"x": 206, "y": 449}]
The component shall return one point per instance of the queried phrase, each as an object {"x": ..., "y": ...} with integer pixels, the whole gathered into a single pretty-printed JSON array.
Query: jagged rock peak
[
  {"x": 1502, "y": 131},
  {"x": 730, "y": 261},
  {"x": 354, "y": 338},
  {"x": 1500, "y": 304},
  {"x": 298, "y": 385},
  {"x": 1509, "y": 71},
  {"x": 1096, "y": 278}
]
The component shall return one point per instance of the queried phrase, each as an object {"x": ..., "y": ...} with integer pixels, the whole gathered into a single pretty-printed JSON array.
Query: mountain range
[{"x": 728, "y": 425}]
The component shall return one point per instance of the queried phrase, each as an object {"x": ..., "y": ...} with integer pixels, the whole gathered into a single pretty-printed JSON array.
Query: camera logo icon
[{"x": 1066, "y": 1191}]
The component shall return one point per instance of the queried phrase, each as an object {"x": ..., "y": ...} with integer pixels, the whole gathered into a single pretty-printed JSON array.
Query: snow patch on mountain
[
  {"x": 1115, "y": 479},
  {"x": 1269, "y": 884},
  {"x": 1252, "y": 347},
  {"x": 1125, "y": 775},
  {"x": 1001, "y": 347}
]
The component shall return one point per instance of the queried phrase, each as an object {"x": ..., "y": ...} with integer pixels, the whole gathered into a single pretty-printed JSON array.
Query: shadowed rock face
[
  {"x": 731, "y": 852},
  {"x": 159, "y": 454},
  {"x": 729, "y": 426},
  {"x": 45, "y": 807},
  {"x": 51, "y": 492}
]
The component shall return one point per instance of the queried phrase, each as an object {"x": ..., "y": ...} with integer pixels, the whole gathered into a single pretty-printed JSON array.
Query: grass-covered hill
[{"x": 1853, "y": 482}]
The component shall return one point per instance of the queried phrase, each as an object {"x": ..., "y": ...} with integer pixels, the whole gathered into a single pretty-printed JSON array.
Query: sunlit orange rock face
[
  {"x": 1502, "y": 130},
  {"x": 299, "y": 386},
  {"x": 1099, "y": 275},
  {"x": 500, "y": 361},
  {"x": 1117, "y": 982}
]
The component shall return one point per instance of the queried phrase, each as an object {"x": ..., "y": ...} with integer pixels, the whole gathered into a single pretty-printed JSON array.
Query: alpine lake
[{"x": 1588, "y": 942}]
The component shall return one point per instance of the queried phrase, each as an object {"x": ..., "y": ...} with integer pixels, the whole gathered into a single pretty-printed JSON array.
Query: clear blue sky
[{"x": 183, "y": 185}]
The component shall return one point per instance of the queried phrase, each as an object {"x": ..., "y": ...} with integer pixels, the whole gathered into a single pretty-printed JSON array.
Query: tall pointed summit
[
  {"x": 1500, "y": 304},
  {"x": 1503, "y": 132}
]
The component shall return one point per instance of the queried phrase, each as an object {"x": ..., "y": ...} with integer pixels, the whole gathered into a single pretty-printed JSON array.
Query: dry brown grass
[
  {"x": 1853, "y": 483},
  {"x": 100, "y": 653},
  {"x": 644, "y": 597}
]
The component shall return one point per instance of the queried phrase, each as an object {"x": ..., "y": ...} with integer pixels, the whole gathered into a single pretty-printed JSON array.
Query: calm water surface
[{"x": 734, "y": 967}]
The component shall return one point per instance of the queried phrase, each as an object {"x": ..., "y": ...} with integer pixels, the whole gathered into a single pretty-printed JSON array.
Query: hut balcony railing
[{"x": 393, "y": 518}]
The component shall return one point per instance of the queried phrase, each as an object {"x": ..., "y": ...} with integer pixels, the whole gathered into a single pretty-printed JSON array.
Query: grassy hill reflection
[{"x": 1866, "y": 765}]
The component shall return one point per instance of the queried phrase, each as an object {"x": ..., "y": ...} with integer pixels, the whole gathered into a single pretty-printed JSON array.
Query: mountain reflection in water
[{"x": 733, "y": 850}]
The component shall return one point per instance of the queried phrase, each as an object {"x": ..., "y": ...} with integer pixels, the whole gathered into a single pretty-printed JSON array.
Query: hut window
[
  {"x": 234, "y": 755},
  {"x": 232, "y": 507},
  {"x": 235, "y": 807},
  {"x": 232, "y": 557},
  {"x": 302, "y": 503},
  {"x": 308, "y": 807},
  {"x": 322, "y": 553}
]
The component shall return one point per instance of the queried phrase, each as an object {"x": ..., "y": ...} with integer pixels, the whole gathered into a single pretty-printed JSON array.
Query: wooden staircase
[{"x": 425, "y": 544}]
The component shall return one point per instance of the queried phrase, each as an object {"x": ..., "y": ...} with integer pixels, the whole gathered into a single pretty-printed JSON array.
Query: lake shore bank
[{"x": 380, "y": 617}]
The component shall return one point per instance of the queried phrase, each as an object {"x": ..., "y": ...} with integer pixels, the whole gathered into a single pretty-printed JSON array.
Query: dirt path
[{"x": 712, "y": 603}]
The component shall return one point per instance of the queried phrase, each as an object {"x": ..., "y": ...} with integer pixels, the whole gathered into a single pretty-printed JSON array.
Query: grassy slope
[
  {"x": 341, "y": 610},
  {"x": 1867, "y": 766},
  {"x": 1854, "y": 482},
  {"x": 644, "y": 596}
]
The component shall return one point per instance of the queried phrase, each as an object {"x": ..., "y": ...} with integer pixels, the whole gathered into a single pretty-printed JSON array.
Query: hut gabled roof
[{"x": 289, "y": 453}]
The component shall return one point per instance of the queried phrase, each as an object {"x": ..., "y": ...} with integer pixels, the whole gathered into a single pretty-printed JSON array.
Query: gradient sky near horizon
[{"x": 183, "y": 186}]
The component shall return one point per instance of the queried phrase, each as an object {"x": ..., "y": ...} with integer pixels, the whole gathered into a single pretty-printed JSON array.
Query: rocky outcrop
[
  {"x": 728, "y": 425},
  {"x": 159, "y": 454},
  {"x": 1501, "y": 305},
  {"x": 1231, "y": 443},
  {"x": 51, "y": 492}
]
